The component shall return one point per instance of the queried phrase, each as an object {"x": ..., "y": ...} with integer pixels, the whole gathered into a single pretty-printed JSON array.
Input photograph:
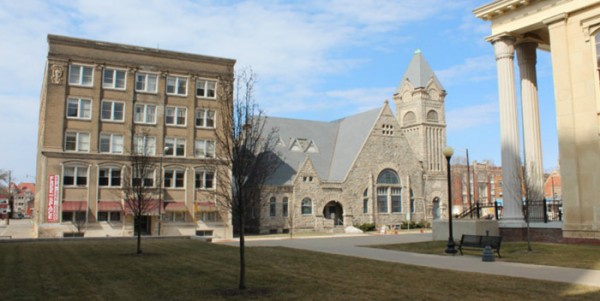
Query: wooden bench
[{"x": 480, "y": 241}]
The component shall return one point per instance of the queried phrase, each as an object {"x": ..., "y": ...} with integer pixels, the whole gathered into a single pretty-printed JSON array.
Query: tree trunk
[
  {"x": 242, "y": 284},
  {"x": 138, "y": 226}
]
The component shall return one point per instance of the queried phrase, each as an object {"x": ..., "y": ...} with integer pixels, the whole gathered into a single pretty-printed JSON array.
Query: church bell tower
[{"x": 420, "y": 111}]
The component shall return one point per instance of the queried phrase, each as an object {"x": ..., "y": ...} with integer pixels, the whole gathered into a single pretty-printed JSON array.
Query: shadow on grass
[{"x": 259, "y": 293}]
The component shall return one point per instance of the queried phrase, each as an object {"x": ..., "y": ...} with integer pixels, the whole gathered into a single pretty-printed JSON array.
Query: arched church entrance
[
  {"x": 333, "y": 211},
  {"x": 437, "y": 210}
]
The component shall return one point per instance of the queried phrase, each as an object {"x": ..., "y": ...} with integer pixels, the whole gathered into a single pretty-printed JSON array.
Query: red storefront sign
[{"x": 53, "y": 198}]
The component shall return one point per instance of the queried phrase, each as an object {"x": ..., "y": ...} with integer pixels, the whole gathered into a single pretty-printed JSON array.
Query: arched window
[
  {"x": 366, "y": 201},
  {"x": 306, "y": 206},
  {"x": 75, "y": 175},
  {"x": 272, "y": 207},
  {"x": 284, "y": 207},
  {"x": 389, "y": 192},
  {"x": 432, "y": 116},
  {"x": 409, "y": 118}
]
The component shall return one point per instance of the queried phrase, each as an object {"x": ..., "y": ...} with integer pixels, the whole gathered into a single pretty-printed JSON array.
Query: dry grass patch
[{"x": 176, "y": 269}]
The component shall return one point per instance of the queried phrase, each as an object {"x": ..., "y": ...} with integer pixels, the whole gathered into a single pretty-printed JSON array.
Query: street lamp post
[
  {"x": 448, "y": 152},
  {"x": 160, "y": 189}
]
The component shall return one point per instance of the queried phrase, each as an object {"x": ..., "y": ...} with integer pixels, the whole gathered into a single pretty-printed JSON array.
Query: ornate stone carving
[{"x": 57, "y": 73}]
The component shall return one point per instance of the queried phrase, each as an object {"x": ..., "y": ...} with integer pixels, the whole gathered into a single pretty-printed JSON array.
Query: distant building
[
  {"x": 484, "y": 181},
  {"x": 24, "y": 197},
  {"x": 102, "y": 101},
  {"x": 371, "y": 167}
]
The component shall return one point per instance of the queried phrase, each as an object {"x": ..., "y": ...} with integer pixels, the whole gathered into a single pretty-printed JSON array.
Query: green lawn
[
  {"x": 563, "y": 255},
  {"x": 181, "y": 269}
]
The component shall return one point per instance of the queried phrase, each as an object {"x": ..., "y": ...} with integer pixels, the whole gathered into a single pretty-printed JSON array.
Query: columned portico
[
  {"x": 532, "y": 143},
  {"x": 509, "y": 129}
]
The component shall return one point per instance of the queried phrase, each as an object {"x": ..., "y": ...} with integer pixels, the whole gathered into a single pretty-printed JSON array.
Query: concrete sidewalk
[{"x": 357, "y": 246}]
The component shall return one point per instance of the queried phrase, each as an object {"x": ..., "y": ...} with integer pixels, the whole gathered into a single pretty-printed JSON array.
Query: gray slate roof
[
  {"x": 339, "y": 143},
  {"x": 418, "y": 73}
]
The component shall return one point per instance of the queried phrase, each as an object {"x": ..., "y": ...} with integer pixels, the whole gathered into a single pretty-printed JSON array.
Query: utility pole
[
  {"x": 469, "y": 184},
  {"x": 10, "y": 200}
]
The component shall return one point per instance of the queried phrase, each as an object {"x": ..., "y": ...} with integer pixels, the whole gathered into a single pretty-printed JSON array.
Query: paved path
[{"x": 355, "y": 246}]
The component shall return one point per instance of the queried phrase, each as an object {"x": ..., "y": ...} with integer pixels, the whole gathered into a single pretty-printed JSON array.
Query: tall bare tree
[
  {"x": 247, "y": 146},
  {"x": 138, "y": 187}
]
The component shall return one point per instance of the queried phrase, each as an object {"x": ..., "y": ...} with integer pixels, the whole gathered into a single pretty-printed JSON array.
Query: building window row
[
  {"x": 273, "y": 207},
  {"x": 146, "y": 82},
  {"x": 114, "y": 111},
  {"x": 111, "y": 176}
]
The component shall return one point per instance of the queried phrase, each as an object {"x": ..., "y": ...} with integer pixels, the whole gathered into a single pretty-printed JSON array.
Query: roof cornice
[
  {"x": 56, "y": 39},
  {"x": 499, "y": 7}
]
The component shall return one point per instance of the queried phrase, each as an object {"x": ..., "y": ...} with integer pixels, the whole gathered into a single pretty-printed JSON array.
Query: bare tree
[
  {"x": 532, "y": 193},
  {"x": 246, "y": 147},
  {"x": 138, "y": 189}
]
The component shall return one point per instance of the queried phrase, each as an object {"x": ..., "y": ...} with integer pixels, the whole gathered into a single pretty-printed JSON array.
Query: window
[
  {"x": 75, "y": 176},
  {"x": 412, "y": 202},
  {"x": 175, "y": 115},
  {"x": 145, "y": 114},
  {"x": 143, "y": 144},
  {"x": 209, "y": 217},
  {"x": 146, "y": 82},
  {"x": 148, "y": 179},
  {"x": 205, "y": 179},
  {"x": 306, "y": 206},
  {"x": 176, "y": 147},
  {"x": 79, "y": 108},
  {"x": 109, "y": 177},
  {"x": 80, "y": 75},
  {"x": 113, "y": 79},
  {"x": 111, "y": 143},
  {"x": 77, "y": 141},
  {"x": 389, "y": 192},
  {"x": 115, "y": 216},
  {"x": 284, "y": 207},
  {"x": 382, "y": 200},
  {"x": 366, "y": 201},
  {"x": 206, "y": 88},
  {"x": 205, "y": 148},
  {"x": 272, "y": 207},
  {"x": 396, "y": 199},
  {"x": 177, "y": 85},
  {"x": 174, "y": 178},
  {"x": 410, "y": 118},
  {"x": 432, "y": 116},
  {"x": 112, "y": 111},
  {"x": 73, "y": 216},
  {"x": 205, "y": 118},
  {"x": 109, "y": 216}
]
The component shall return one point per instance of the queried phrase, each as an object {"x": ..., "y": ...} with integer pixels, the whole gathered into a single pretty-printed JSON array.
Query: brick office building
[{"x": 101, "y": 101}]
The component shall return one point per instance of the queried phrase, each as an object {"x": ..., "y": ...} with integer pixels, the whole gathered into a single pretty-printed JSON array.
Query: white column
[
  {"x": 532, "y": 142},
  {"x": 509, "y": 131}
]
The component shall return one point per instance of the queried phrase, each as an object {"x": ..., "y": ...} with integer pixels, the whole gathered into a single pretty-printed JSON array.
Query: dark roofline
[{"x": 57, "y": 39}]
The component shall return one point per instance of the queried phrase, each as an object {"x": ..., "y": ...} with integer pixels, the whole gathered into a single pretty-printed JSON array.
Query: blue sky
[{"x": 318, "y": 60}]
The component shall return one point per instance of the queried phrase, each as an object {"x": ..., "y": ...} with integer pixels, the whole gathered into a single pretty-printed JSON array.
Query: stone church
[{"x": 372, "y": 167}]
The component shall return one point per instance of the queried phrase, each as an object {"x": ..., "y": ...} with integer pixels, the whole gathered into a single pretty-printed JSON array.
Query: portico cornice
[{"x": 496, "y": 8}]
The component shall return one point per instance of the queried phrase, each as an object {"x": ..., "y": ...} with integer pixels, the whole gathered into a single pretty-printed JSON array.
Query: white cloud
[
  {"x": 472, "y": 117},
  {"x": 294, "y": 47},
  {"x": 472, "y": 70}
]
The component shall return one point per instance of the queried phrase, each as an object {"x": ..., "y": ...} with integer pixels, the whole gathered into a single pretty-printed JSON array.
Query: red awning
[
  {"x": 71, "y": 206},
  {"x": 175, "y": 206},
  {"x": 151, "y": 208},
  {"x": 110, "y": 206},
  {"x": 206, "y": 207}
]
